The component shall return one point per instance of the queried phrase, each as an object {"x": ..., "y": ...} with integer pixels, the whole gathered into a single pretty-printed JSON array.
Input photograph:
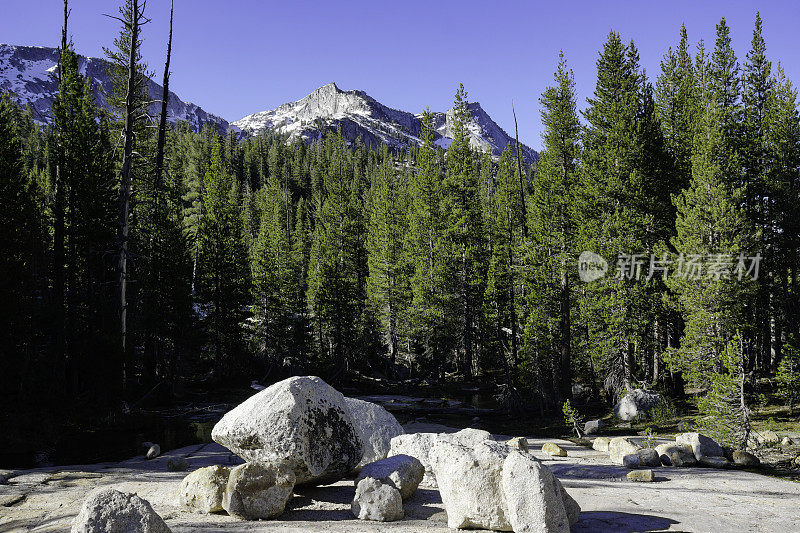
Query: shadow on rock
[{"x": 621, "y": 522}]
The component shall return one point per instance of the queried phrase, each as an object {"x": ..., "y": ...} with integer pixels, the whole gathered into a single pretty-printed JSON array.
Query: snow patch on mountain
[{"x": 360, "y": 115}]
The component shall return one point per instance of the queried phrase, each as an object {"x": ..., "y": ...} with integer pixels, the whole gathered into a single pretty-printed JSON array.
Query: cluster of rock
[
  {"x": 301, "y": 430},
  {"x": 488, "y": 484},
  {"x": 382, "y": 486},
  {"x": 310, "y": 427},
  {"x": 689, "y": 449}
]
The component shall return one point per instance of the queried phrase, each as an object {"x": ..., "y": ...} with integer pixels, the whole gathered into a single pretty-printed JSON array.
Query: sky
[{"x": 238, "y": 57}]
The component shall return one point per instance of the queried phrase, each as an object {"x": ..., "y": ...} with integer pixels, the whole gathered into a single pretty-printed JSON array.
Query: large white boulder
[
  {"x": 619, "y": 447},
  {"x": 535, "y": 498},
  {"x": 701, "y": 445},
  {"x": 636, "y": 403},
  {"x": 302, "y": 422},
  {"x": 376, "y": 501},
  {"x": 493, "y": 486},
  {"x": 402, "y": 472},
  {"x": 256, "y": 491},
  {"x": 107, "y": 510},
  {"x": 419, "y": 445},
  {"x": 204, "y": 489},
  {"x": 376, "y": 428},
  {"x": 469, "y": 480}
]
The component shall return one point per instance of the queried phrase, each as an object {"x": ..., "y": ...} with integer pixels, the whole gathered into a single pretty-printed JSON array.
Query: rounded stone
[
  {"x": 551, "y": 448},
  {"x": 257, "y": 491},
  {"x": 204, "y": 489}
]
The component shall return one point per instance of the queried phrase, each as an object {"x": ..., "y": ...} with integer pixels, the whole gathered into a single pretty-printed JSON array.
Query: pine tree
[
  {"x": 724, "y": 412},
  {"x": 223, "y": 266},
  {"x": 783, "y": 172},
  {"x": 616, "y": 220},
  {"x": 17, "y": 234},
  {"x": 387, "y": 285},
  {"x": 335, "y": 293},
  {"x": 503, "y": 308},
  {"x": 788, "y": 374},
  {"x": 756, "y": 94},
  {"x": 431, "y": 323},
  {"x": 676, "y": 99},
  {"x": 552, "y": 223},
  {"x": 464, "y": 229},
  {"x": 711, "y": 225}
]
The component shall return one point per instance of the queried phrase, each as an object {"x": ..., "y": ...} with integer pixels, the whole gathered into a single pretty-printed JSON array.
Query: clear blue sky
[{"x": 236, "y": 57}]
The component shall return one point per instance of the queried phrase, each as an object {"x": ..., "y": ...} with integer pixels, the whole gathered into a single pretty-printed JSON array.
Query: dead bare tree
[
  {"x": 58, "y": 216},
  {"x": 134, "y": 80},
  {"x": 152, "y": 346}
]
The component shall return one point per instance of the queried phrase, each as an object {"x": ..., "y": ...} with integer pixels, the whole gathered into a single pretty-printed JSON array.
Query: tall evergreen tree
[
  {"x": 553, "y": 226},
  {"x": 223, "y": 266},
  {"x": 387, "y": 285},
  {"x": 334, "y": 292},
  {"x": 464, "y": 229},
  {"x": 431, "y": 323}
]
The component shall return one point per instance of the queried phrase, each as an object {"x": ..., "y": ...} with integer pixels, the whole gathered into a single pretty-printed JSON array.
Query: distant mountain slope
[
  {"x": 358, "y": 114},
  {"x": 30, "y": 73}
]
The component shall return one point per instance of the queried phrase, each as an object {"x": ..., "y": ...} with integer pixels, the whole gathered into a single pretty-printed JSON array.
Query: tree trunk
[
  {"x": 152, "y": 346},
  {"x": 58, "y": 228},
  {"x": 125, "y": 193}
]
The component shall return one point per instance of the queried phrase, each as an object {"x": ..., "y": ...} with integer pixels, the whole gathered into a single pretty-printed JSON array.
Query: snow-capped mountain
[
  {"x": 358, "y": 114},
  {"x": 29, "y": 72}
]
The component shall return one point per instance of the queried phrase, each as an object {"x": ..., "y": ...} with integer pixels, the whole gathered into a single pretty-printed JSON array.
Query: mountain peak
[
  {"x": 30, "y": 74},
  {"x": 359, "y": 115}
]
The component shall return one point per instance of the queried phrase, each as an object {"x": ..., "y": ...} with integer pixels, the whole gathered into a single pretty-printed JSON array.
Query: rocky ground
[{"x": 685, "y": 499}]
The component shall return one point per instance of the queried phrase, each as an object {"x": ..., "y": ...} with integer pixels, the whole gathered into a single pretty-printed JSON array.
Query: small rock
[
  {"x": 619, "y": 447},
  {"x": 767, "y": 437},
  {"x": 642, "y": 458},
  {"x": 743, "y": 458},
  {"x": 665, "y": 451},
  {"x": 177, "y": 465},
  {"x": 641, "y": 475},
  {"x": 377, "y": 501},
  {"x": 257, "y": 491},
  {"x": 153, "y": 452},
  {"x": 402, "y": 472},
  {"x": 701, "y": 445},
  {"x": 551, "y": 448},
  {"x": 682, "y": 456},
  {"x": 518, "y": 443},
  {"x": 649, "y": 457},
  {"x": 592, "y": 427},
  {"x": 601, "y": 444},
  {"x": 204, "y": 489},
  {"x": 107, "y": 510},
  {"x": 714, "y": 462},
  {"x": 631, "y": 461},
  {"x": 786, "y": 441}
]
